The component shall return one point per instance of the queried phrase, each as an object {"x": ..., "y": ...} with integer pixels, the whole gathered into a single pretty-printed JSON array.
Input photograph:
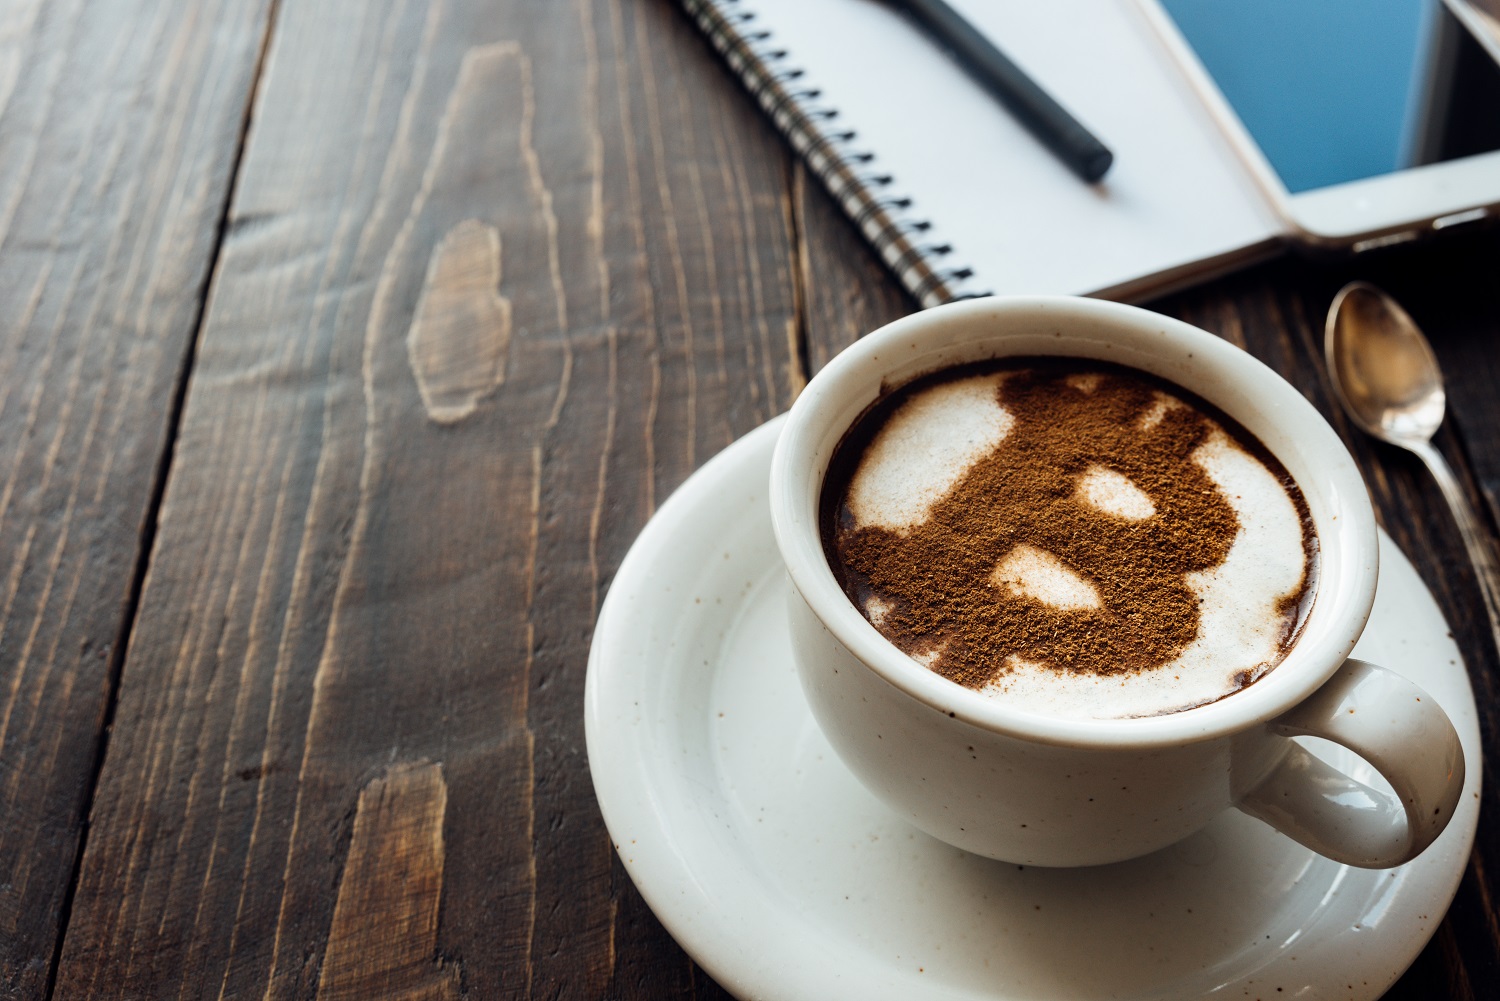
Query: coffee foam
[
  {"x": 1037, "y": 574},
  {"x": 935, "y": 437},
  {"x": 1113, "y": 493},
  {"x": 925, "y": 449}
]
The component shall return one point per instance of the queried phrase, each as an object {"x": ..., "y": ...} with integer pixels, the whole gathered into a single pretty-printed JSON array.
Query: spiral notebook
[{"x": 958, "y": 199}]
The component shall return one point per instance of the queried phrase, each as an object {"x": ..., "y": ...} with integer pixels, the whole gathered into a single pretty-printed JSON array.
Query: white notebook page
[{"x": 1175, "y": 205}]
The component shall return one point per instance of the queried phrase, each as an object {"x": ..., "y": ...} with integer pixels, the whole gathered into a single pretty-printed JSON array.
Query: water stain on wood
[
  {"x": 461, "y": 332},
  {"x": 458, "y": 340},
  {"x": 383, "y": 941}
]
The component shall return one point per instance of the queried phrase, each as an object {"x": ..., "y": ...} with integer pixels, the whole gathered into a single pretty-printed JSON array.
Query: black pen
[{"x": 1049, "y": 121}]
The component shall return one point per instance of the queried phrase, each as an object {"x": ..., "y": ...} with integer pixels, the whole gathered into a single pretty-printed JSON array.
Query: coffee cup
[{"x": 1034, "y": 789}]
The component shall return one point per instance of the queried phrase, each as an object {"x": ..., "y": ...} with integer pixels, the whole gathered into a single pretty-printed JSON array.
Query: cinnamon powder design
[{"x": 940, "y": 598}]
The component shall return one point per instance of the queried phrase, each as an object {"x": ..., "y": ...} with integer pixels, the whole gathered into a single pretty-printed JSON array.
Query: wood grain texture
[
  {"x": 384, "y": 932},
  {"x": 846, "y": 291},
  {"x": 497, "y": 277},
  {"x": 120, "y": 123}
]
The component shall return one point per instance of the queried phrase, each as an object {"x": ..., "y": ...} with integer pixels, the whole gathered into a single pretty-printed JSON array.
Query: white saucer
[{"x": 785, "y": 879}]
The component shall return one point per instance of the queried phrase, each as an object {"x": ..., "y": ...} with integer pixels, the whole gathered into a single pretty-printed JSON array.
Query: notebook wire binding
[{"x": 870, "y": 197}]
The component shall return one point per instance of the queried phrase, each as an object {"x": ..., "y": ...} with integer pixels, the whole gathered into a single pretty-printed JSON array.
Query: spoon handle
[{"x": 1481, "y": 552}]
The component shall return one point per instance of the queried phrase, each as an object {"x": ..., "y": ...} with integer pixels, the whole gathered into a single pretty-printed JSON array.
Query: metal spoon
[{"x": 1387, "y": 378}]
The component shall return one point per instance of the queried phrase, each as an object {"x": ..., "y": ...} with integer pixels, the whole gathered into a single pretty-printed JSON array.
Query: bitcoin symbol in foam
[{"x": 1069, "y": 545}]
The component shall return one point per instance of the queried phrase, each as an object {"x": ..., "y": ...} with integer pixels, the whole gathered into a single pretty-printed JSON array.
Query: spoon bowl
[
  {"x": 1383, "y": 369},
  {"x": 1388, "y": 381}
]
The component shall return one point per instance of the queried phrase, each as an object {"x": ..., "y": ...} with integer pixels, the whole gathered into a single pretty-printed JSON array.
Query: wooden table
[{"x": 348, "y": 345}]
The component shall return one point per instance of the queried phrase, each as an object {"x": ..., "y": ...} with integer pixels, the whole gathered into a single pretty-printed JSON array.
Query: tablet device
[{"x": 1366, "y": 122}]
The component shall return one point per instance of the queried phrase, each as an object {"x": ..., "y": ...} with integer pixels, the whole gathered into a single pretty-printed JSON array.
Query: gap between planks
[
  {"x": 801, "y": 352},
  {"x": 158, "y": 491}
]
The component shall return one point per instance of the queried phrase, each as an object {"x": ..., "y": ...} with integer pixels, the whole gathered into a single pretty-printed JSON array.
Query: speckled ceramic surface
[{"x": 785, "y": 879}]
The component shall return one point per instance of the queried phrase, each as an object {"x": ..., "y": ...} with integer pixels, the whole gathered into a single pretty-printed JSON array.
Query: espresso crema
[{"x": 1075, "y": 539}]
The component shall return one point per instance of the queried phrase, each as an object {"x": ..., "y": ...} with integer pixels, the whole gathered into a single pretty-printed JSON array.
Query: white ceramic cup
[{"x": 1039, "y": 790}]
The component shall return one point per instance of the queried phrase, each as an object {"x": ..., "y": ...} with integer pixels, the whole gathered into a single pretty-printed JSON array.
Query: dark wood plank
[
  {"x": 120, "y": 122},
  {"x": 846, "y": 290},
  {"x": 498, "y": 276}
]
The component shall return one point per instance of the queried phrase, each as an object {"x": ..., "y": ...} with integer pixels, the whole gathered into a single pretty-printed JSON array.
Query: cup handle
[{"x": 1397, "y": 728}]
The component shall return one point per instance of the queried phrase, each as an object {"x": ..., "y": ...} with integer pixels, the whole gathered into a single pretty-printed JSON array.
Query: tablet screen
[{"x": 1340, "y": 90}]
